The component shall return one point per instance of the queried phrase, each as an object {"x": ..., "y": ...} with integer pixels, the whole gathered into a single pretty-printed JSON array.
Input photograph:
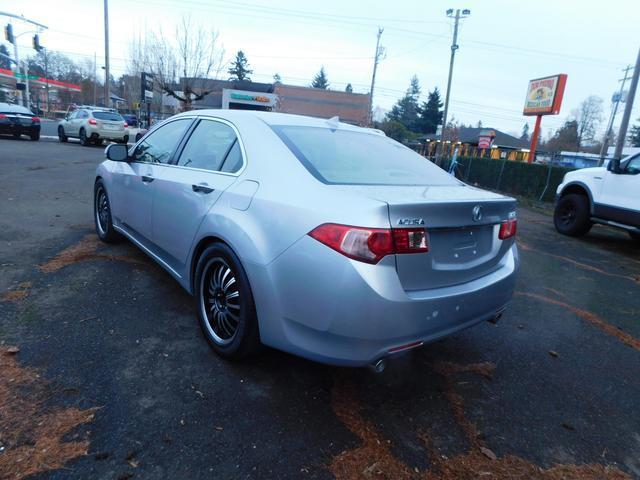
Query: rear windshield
[
  {"x": 108, "y": 116},
  {"x": 7, "y": 108},
  {"x": 354, "y": 158}
]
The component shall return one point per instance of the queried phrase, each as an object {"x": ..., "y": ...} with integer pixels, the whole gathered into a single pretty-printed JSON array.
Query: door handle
[
  {"x": 147, "y": 179},
  {"x": 201, "y": 189}
]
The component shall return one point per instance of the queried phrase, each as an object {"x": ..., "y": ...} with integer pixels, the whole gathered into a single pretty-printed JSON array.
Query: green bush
[{"x": 518, "y": 178}]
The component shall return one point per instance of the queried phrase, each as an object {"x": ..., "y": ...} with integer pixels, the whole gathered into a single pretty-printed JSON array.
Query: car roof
[
  {"x": 276, "y": 118},
  {"x": 12, "y": 108}
]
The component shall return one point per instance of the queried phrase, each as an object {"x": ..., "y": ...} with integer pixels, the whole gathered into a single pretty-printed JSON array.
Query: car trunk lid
[{"x": 462, "y": 224}]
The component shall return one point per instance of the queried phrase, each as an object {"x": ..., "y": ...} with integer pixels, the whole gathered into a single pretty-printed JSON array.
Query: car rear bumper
[
  {"x": 107, "y": 134},
  {"x": 11, "y": 129},
  {"x": 315, "y": 303}
]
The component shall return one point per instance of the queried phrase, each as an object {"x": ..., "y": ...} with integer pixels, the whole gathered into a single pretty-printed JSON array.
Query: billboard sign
[{"x": 544, "y": 95}]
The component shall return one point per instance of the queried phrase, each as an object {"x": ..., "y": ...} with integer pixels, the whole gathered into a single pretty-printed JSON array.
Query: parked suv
[
  {"x": 610, "y": 196},
  {"x": 93, "y": 126}
]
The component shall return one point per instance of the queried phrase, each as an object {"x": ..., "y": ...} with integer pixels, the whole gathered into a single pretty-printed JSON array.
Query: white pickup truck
[{"x": 610, "y": 196}]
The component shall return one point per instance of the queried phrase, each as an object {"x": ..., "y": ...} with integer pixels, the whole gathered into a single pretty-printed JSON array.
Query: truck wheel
[{"x": 572, "y": 216}]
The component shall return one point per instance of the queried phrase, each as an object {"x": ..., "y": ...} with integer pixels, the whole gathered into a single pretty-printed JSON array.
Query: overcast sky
[{"x": 503, "y": 44}]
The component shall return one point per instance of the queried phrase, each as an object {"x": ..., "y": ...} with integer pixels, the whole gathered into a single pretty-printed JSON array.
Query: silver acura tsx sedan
[{"x": 312, "y": 236}]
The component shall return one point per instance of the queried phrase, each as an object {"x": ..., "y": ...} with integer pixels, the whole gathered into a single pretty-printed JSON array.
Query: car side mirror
[
  {"x": 117, "y": 152},
  {"x": 614, "y": 166}
]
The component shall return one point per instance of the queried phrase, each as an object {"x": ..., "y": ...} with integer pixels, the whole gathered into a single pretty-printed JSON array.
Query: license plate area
[{"x": 461, "y": 246}]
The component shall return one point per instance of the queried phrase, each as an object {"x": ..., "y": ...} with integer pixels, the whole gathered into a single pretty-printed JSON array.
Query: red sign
[{"x": 484, "y": 142}]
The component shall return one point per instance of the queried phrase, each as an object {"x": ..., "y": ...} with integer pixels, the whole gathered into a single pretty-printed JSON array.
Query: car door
[
  {"x": 134, "y": 182},
  {"x": 620, "y": 198},
  {"x": 68, "y": 123},
  {"x": 207, "y": 165}
]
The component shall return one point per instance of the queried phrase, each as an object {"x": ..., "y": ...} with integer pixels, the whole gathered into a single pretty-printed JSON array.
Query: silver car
[{"x": 316, "y": 237}]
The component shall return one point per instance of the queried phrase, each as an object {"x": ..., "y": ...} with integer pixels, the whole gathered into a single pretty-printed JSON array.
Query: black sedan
[{"x": 17, "y": 120}]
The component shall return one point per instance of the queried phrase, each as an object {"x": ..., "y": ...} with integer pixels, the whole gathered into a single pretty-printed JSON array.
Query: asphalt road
[{"x": 551, "y": 391}]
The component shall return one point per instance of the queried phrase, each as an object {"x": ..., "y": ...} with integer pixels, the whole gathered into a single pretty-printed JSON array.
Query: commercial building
[{"x": 349, "y": 107}]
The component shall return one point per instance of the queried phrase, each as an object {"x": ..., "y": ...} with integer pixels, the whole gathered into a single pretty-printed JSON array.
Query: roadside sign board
[
  {"x": 484, "y": 142},
  {"x": 146, "y": 87},
  {"x": 544, "y": 95}
]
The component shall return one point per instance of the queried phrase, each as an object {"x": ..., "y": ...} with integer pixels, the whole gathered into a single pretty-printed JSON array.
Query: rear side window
[
  {"x": 159, "y": 145},
  {"x": 114, "y": 117},
  {"x": 209, "y": 146},
  {"x": 348, "y": 157}
]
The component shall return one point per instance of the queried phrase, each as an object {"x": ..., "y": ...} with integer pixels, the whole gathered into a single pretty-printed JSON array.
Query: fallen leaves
[
  {"x": 34, "y": 434},
  {"x": 590, "y": 317},
  {"x": 18, "y": 294},
  {"x": 373, "y": 457},
  {"x": 85, "y": 250}
]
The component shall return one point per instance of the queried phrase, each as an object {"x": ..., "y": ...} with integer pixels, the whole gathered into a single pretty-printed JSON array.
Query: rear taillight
[
  {"x": 371, "y": 244},
  {"x": 92, "y": 121},
  {"x": 125, "y": 125},
  {"x": 35, "y": 119},
  {"x": 508, "y": 229},
  {"x": 2, "y": 116}
]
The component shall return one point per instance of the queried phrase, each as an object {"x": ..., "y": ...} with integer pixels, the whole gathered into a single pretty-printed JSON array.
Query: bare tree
[
  {"x": 588, "y": 116},
  {"x": 181, "y": 63}
]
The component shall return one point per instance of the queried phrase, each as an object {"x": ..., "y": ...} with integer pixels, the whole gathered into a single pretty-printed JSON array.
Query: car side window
[
  {"x": 208, "y": 146},
  {"x": 233, "y": 162},
  {"x": 83, "y": 114},
  {"x": 633, "y": 166},
  {"x": 159, "y": 145}
]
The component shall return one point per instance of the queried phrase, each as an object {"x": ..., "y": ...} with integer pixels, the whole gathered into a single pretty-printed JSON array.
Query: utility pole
[
  {"x": 454, "y": 46},
  {"x": 376, "y": 59},
  {"x": 106, "y": 53},
  {"x": 622, "y": 133},
  {"x": 612, "y": 118},
  {"x": 46, "y": 79}
]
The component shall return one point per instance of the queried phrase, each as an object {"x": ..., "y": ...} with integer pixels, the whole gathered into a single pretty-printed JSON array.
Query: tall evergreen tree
[
  {"x": 239, "y": 69},
  {"x": 320, "y": 80},
  {"x": 525, "y": 133},
  {"x": 349, "y": 88},
  {"x": 431, "y": 112},
  {"x": 407, "y": 110}
]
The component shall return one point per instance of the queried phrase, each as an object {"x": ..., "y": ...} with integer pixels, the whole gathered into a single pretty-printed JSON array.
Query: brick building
[{"x": 350, "y": 107}]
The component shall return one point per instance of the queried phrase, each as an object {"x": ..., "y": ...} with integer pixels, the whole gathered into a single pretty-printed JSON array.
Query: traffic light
[
  {"x": 36, "y": 43},
  {"x": 8, "y": 33}
]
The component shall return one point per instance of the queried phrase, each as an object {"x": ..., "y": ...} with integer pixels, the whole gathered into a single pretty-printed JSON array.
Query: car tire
[
  {"x": 635, "y": 237},
  {"x": 224, "y": 303},
  {"x": 62, "y": 138},
  {"x": 125, "y": 140},
  {"x": 572, "y": 216},
  {"x": 99, "y": 141},
  {"x": 102, "y": 213},
  {"x": 35, "y": 136},
  {"x": 84, "y": 140}
]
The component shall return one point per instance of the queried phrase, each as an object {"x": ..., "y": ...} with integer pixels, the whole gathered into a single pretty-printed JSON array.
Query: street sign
[
  {"x": 146, "y": 87},
  {"x": 22, "y": 76}
]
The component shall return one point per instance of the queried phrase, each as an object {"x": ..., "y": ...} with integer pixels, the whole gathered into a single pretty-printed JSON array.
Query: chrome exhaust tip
[{"x": 379, "y": 366}]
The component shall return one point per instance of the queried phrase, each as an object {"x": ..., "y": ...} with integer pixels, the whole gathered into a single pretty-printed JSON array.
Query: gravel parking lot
[{"x": 104, "y": 372}]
